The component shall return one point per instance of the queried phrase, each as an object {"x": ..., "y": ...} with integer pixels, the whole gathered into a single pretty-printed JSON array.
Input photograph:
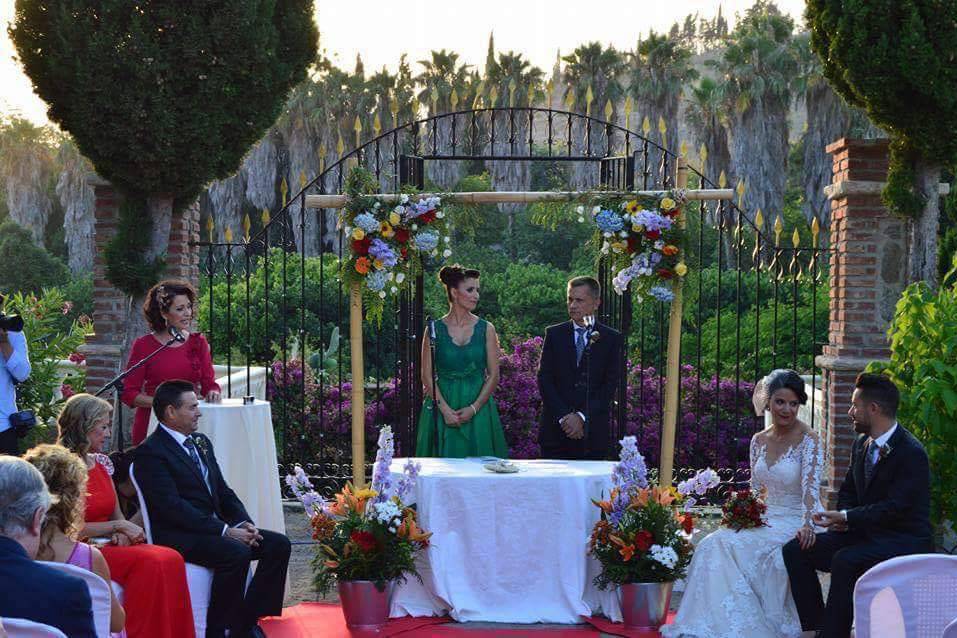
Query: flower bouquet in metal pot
[
  {"x": 368, "y": 538},
  {"x": 642, "y": 540}
]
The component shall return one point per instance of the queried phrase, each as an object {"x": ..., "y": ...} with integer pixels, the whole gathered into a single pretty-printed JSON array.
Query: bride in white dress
[{"x": 737, "y": 585}]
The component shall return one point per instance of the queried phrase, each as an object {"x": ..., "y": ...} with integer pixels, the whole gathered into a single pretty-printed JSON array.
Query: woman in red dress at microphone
[{"x": 169, "y": 312}]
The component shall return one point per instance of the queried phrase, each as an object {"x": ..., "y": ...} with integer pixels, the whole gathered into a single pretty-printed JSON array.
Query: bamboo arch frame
[{"x": 666, "y": 471}]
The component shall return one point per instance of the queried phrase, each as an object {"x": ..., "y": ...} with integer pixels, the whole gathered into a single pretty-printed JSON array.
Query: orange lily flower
[
  {"x": 640, "y": 499},
  {"x": 410, "y": 530},
  {"x": 664, "y": 497},
  {"x": 627, "y": 550}
]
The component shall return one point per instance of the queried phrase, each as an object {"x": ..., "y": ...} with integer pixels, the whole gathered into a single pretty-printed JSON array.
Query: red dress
[
  {"x": 190, "y": 361},
  {"x": 155, "y": 594}
]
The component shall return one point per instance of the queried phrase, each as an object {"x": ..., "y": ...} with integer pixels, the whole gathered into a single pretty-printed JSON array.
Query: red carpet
[
  {"x": 324, "y": 620},
  {"x": 618, "y": 629}
]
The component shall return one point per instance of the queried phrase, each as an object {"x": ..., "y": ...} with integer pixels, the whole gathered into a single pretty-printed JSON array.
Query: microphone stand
[
  {"x": 116, "y": 384},
  {"x": 590, "y": 324},
  {"x": 435, "y": 379}
]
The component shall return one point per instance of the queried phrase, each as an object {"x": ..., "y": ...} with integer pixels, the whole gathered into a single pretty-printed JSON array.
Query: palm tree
[
  {"x": 704, "y": 114},
  {"x": 658, "y": 71},
  {"x": 757, "y": 70},
  {"x": 77, "y": 200},
  {"x": 513, "y": 81},
  {"x": 591, "y": 71},
  {"x": 443, "y": 80},
  {"x": 27, "y": 169}
]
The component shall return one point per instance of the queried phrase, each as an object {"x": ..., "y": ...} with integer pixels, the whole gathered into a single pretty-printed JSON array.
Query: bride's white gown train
[{"x": 737, "y": 585}]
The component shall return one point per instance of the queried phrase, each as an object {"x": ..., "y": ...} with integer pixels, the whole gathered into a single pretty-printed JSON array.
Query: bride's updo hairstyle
[
  {"x": 452, "y": 276},
  {"x": 774, "y": 381}
]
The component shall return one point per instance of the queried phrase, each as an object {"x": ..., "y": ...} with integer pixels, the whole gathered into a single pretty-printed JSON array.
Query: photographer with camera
[{"x": 14, "y": 369}]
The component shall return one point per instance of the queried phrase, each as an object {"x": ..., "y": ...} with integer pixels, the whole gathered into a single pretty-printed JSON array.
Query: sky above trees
[{"x": 382, "y": 31}]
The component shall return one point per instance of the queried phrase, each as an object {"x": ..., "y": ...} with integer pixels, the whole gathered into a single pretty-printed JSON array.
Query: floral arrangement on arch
[
  {"x": 388, "y": 240},
  {"x": 365, "y": 534},
  {"x": 642, "y": 535},
  {"x": 641, "y": 237}
]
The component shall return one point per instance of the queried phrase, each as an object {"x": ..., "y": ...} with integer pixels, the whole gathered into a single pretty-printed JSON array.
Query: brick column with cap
[
  {"x": 868, "y": 274},
  {"x": 104, "y": 349}
]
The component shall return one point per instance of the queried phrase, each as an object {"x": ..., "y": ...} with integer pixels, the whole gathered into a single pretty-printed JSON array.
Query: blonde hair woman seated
[{"x": 65, "y": 476}]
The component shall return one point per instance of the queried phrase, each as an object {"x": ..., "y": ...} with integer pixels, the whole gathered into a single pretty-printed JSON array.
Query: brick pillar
[
  {"x": 868, "y": 274},
  {"x": 112, "y": 309}
]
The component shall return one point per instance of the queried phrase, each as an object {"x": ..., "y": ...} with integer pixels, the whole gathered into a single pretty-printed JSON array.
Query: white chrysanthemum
[{"x": 664, "y": 556}]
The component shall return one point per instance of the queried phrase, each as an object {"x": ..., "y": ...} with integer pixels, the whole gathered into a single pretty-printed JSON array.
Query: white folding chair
[
  {"x": 23, "y": 628},
  {"x": 99, "y": 595},
  {"x": 199, "y": 579},
  {"x": 913, "y": 596}
]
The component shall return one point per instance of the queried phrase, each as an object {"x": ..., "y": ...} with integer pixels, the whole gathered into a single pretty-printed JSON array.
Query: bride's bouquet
[
  {"x": 642, "y": 537},
  {"x": 744, "y": 509},
  {"x": 365, "y": 534}
]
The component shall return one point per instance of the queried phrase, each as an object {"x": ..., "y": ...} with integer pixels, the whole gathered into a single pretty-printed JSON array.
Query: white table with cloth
[
  {"x": 242, "y": 437},
  {"x": 507, "y": 547}
]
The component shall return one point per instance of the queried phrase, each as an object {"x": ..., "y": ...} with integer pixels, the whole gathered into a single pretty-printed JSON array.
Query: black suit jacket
[
  {"x": 42, "y": 594},
  {"x": 895, "y": 505},
  {"x": 181, "y": 508},
  {"x": 565, "y": 385}
]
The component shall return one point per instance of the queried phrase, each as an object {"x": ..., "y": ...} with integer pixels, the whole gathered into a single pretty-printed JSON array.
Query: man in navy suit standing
[
  {"x": 32, "y": 590},
  {"x": 195, "y": 512},
  {"x": 577, "y": 378}
]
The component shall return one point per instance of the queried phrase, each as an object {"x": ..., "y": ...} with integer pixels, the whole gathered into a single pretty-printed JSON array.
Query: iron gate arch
[{"x": 616, "y": 157}]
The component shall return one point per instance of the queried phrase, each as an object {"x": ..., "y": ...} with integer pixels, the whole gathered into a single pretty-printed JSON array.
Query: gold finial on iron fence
[
  {"x": 247, "y": 224},
  {"x": 357, "y": 127},
  {"x": 511, "y": 93},
  {"x": 284, "y": 189},
  {"x": 646, "y": 126},
  {"x": 549, "y": 91},
  {"x": 722, "y": 180},
  {"x": 683, "y": 148},
  {"x": 741, "y": 189},
  {"x": 454, "y": 99},
  {"x": 322, "y": 157},
  {"x": 609, "y": 110},
  {"x": 589, "y": 98},
  {"x": 228, "y": 235},
  {"x": 394, "y": 109},
  {"x": 376, "y": 124},
  {"x": 629, "y": 105},
  {"x": 569, "y": 99},
  {"x": 340, "y": 145},
  {"x": 778, "y": 228},
  {"x": 758, "y": 225},
  {"x": 703, "y": 156},
  {"x": 662, "y": 127},
  {"x": 265, "y": 217},
  {"x": 210, "y": 226},
  {"x": 434, "y": 98},
  {"x": 302, "y": 180}
]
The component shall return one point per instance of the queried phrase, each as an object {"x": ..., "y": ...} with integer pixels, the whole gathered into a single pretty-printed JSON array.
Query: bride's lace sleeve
[
  {"x": 812, "y": 465},
  {"x": 756, "y": 482}
]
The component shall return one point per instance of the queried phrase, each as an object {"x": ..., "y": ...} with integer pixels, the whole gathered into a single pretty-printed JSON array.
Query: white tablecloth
[
  {"x": 506, "y": 547},
  {"x": 245, "y": 448}
]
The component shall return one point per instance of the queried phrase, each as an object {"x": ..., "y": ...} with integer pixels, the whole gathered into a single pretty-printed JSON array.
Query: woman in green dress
[{"x": 466, "y": 363}]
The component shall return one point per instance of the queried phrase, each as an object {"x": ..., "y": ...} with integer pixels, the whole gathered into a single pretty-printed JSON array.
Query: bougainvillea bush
[{"x": 707, "y": 436}]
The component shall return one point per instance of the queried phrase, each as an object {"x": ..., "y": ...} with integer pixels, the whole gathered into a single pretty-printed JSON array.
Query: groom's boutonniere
[
  {"x": 593, "y": 337},
  {"x": 884, "y": 451},
  {"x": 201, "y": 443}
]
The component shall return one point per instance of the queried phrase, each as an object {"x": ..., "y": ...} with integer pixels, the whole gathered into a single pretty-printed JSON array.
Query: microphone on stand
[{"x": 176, "y": 334}]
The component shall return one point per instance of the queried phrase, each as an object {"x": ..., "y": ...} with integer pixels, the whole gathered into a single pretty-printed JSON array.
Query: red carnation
[
  {"x": 652, "y": 234},
  {"x": 427, "y": 217},
  {"x": 402, "y": 235},
  {"x": 365, "y": 540},
  {"x": 405, "y": 252},
  {"x": 687, "y": 523},
  {"x": 361, "y": 246},
  {"x": 644, "y": 540},
  {"x": 664, "y": 273}
]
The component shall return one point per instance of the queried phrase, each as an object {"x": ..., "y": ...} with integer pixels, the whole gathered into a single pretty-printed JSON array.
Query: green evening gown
[{"x": 461, "y": 374}]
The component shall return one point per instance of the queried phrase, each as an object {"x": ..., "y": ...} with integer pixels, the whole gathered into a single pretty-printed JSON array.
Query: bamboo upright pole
[
  {"x": 673, "y": 365},
  {"x": 358, "y": 388}
]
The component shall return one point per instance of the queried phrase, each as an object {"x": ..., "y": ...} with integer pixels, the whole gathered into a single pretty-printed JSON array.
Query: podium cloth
[
  {"x": 507, "y": 547},
  {"x": 242, "y": 436}
]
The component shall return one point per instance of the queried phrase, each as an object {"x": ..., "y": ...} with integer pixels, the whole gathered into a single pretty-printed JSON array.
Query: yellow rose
[
  {"x": 667, "y": 204},
  {"x": 619, "y": 246},
  {"x": 638, "y": 228},
  {"x": 385, "y": 229},
  {"x": 358, "y": 234},
  {"x": 681, "y": 270},
  {"x": 394, "y": 218}
]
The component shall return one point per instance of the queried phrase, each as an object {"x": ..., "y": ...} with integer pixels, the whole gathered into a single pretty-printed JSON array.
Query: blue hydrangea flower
[
  {"x": 661, "y": 293},
  {"x": 426, "y": 241},
  {"x": 651, "y": 220},
  {"x": 367, "y": 222},
  {"x": 375, "y": 280},
  {"x": 378, "y": 249},
  {"x": 609, "y": 221}
]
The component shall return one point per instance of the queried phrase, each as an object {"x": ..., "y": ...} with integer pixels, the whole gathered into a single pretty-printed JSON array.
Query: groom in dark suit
[
  {"x": 883, "y": 511},
  {"x": 577, "y": 378},
  {"x": 194, "y": 511}
]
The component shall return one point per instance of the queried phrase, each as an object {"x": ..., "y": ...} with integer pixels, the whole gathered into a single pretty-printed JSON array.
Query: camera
[{"x": 11, "y": 323}]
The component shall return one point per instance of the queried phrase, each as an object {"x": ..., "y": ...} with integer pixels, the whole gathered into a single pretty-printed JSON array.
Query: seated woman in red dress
[
  {"x": 168, "y": 308},
  {"x": 155, "y": 593}
]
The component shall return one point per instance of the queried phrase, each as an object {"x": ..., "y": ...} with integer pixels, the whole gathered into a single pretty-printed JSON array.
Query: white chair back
[
  {"x": 199, "y": 579},
  {"x": 23, "y": 628},
  {"x": 950, "y": 631},
  {"x": 913, "y": 596},
  {"x": 99, "y": 595}
]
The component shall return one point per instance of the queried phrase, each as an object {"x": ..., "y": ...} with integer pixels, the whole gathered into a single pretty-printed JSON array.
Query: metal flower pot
[
  {"x": 363, "y": 605},
  {"x": 645, "y": 605}
]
